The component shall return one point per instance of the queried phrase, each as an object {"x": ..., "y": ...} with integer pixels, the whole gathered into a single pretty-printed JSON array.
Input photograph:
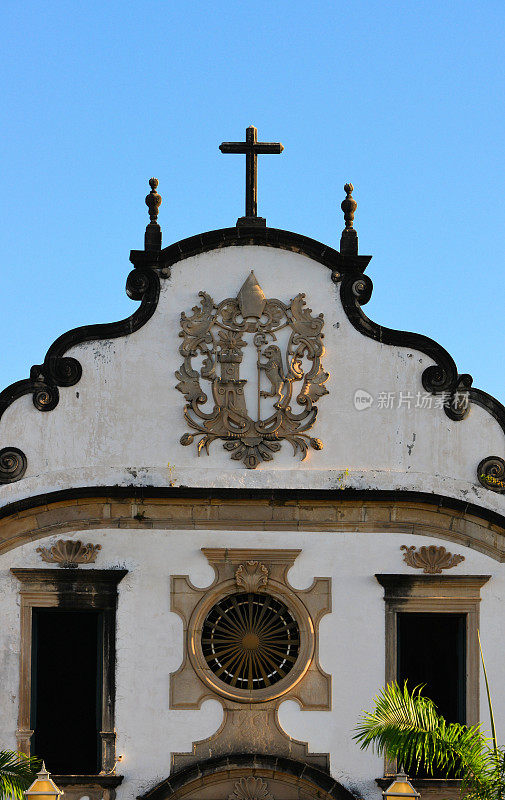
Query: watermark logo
[
  {"x": 391, "y": 400},
  {"x": 362, "y": 399}
]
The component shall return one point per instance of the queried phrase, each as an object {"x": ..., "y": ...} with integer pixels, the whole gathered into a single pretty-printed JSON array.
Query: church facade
[{"x": 229, "y": 519}]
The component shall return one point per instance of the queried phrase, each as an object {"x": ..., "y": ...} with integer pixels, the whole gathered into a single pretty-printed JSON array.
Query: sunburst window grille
[{"x": 250, "y": 641}]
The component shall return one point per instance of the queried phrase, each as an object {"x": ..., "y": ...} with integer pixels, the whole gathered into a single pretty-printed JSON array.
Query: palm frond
[
  {"x": 406, "y": 726},
  {"x": 17, "y": 772},
  {"x": 490, "y": 705}
]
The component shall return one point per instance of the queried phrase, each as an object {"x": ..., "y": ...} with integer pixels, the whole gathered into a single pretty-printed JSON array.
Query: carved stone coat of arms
[{"x": 215, "y": 340}]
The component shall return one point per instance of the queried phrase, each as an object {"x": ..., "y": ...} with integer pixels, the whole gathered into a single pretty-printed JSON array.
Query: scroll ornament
[
  {"x": 432, "y": 559},
  {"x": 491, "y": 473},
  {"x": 13, "y": 463},
  {"x": 217, "y": 335}
]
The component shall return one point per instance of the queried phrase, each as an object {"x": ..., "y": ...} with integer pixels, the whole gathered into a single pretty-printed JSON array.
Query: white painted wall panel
[{"x": 149, "y": 639}]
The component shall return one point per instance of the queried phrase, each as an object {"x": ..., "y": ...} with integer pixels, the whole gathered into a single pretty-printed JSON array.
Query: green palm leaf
[
  {"x": 406, "y": 726},
  {"x": 17, "y": 772}
]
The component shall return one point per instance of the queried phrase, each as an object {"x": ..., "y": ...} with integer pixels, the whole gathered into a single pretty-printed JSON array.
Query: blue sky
[{"x": 404, "y": 99}]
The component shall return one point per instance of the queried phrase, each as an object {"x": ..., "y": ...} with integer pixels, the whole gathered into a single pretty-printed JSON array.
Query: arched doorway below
[{"x": 249, "y": 776}]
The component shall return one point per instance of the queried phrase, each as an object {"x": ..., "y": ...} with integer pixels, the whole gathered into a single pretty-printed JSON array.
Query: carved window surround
[
  {"x": 456, "y": 594},
  {"x": 250, "y": 715},
  {"x": 91, "y": 589}
]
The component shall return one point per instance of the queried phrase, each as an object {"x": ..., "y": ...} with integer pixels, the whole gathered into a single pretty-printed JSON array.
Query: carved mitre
[
  {"x": 251, "y": 298},
  {"x": 293, "y": 373}
]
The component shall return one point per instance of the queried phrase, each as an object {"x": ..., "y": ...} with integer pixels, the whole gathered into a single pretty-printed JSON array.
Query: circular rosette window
[{"x": 253, "y": 647}]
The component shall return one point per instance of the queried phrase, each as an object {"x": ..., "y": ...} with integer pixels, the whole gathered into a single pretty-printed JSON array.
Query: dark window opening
[
  {"x": 66, "y": 690},
  {"x": 431, "y": 651}
]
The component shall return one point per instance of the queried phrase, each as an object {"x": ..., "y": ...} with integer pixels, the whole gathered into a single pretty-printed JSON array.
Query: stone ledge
[{"x": 247, "y": 513}]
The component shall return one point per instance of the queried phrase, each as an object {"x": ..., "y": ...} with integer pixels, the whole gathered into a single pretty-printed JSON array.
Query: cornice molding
[
  {"x": 439, "y": 378},
  {"x": 142, "y": 493},
  {"x": 108, "y": 579},
  {"x": 218, "y": 556},
  {"x": 241, "y": 236},
  {"x": 403, "y": 585}
]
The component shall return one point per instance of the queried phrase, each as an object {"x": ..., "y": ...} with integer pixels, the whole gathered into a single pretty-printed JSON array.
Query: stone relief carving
[
  {"x": 432, "y": 559},
  {"x": 69, "y": 554},
  {"x": 250, "y": 722},
  {"x": 251, "y": 788},
  {"x": 251, "y": 576},
  {"x": 218, "y": 333}
]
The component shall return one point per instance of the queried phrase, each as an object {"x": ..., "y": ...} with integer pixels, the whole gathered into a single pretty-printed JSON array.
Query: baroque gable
[{"x": 105, "y": 406}]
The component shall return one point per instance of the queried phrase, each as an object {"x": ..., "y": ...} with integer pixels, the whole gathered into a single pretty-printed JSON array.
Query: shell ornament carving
[
  {"x": 432, "y": 559},
  {"x": 69, "y": 554},
  {"x": 251, "y": 788},
  {"x": 252, "y": 576},
  {"x": 217, "y": 335}
]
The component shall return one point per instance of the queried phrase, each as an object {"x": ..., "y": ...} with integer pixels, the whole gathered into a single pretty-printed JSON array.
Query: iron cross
[{"x": 251, "y": 147}]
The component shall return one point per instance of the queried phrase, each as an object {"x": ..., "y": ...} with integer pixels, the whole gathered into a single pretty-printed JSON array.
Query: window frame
[
  {"x": 449, "y": 594},
  {"x": 79, "y": 590}
]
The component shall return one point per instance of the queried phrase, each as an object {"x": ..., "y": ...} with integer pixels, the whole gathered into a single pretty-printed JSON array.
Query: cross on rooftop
[{"x": 252, "y": 148}]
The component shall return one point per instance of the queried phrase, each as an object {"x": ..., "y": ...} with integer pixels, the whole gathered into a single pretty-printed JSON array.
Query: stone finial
[
  {"x": 349, "y": 238},
  {"x": 152, "y": 240}
]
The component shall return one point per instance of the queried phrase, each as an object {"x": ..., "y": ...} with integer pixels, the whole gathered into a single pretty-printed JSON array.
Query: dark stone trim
[
  {"x": 60, "y": 370},
  {"x": 13, "y": 463},
  {"x": 441, "y": 377},
  {"x": 275, "y": 496},
  {"x": 244, "y": 235},
  {"x": 105, "y": 581},
  {"x": 399, "y": 584},
  {"x": 104, "y": 781},
  {"x": 288, "y": 766},
  {"x": 355, "y": 291}
]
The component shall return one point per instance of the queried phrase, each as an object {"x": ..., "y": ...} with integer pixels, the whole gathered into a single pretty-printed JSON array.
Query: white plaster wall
[
  {"x": 149, "y": 640},
  {"x": 122, "y": 422}
]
